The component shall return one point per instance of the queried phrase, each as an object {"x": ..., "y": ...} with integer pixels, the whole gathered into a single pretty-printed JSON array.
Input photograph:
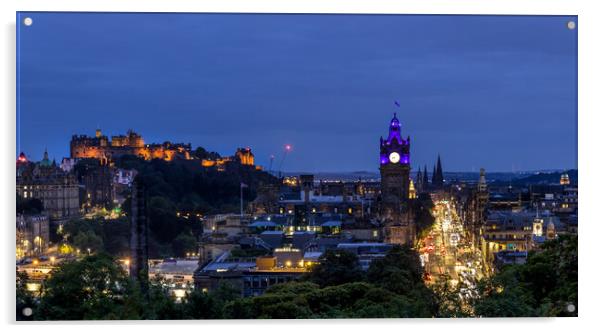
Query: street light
[{"x": 88, "y": 251}]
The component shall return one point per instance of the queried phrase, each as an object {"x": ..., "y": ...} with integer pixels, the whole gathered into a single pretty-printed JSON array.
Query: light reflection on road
[{"x": 448, "y": 255}]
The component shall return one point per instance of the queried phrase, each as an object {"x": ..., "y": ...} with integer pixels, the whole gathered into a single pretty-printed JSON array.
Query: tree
[
  {"x": 92, "y": 288},
  {"x": 308, "y": 300},
  {"x": 202, "y": 153},
  {"x": 162, "y": 219},
  {"x": 159, "y": 304},
  {"x": 24, "y": 298},
  {"x": 203, "y": 305},
  {"x": 504, "y": 296},
  {"x": 113, "y": 234},
  {"x": 546, "y": 285},
  {"x": 184, "y": 243},
  {"x": 88, "y": 240},
  {"x": 336, "y": 267},
  {"x": 399, "y": 271}
]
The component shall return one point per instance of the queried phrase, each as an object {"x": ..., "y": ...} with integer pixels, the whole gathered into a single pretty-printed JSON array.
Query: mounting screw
[{"x": 571, "y": 25}]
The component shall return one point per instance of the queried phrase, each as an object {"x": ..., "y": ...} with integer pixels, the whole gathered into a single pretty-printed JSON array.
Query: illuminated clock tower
[
  {"x": 395, "y": 165},
  {"x": 395, "y": 186}
]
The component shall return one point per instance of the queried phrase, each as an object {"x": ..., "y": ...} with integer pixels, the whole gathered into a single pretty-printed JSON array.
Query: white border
[{"x": 590, "y": 170}]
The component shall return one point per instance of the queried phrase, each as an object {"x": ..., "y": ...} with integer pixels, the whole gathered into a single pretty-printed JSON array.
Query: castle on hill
[{"x": 100, "y": 147}]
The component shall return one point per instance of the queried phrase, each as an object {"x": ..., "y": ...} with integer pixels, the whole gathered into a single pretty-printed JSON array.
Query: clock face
[{"x": 394, "y": 157}]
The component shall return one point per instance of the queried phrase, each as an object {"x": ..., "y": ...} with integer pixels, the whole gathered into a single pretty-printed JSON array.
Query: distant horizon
[
  {"x": 415, "y": 170},
  {"x": 224, "y": 154},
  {"x": 498, "y": 92}
]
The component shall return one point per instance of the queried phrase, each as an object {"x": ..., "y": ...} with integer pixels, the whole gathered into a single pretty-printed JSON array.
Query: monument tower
[
  {"x": 395, "y": 165},
  {"x": 395, "y": 185},
  {"x": 138, "y": 266}
]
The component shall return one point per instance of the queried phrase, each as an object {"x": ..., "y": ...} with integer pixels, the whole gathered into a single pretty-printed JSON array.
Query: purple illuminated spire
[
  {"x": 395, "y": 144},
  {"x": 394, "y": 130}
]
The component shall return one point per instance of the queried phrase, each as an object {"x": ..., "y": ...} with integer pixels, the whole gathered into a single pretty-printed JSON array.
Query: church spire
[{"x": 438, "y": 173}]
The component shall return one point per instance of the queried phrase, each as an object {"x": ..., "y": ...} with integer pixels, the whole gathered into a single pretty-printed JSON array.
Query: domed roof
[{"x": 45, "y": 162}]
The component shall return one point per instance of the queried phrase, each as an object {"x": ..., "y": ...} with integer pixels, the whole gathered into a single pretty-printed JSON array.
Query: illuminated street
[{"x": 447, "y": 254}]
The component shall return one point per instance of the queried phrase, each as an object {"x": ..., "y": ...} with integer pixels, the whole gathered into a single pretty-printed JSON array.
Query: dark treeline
[
  {"x": 186, "y": 186},
  {"x": 177, "y": 191},
  {"x": 97, "y": 288},
  {"x": 546, "y": 286}
]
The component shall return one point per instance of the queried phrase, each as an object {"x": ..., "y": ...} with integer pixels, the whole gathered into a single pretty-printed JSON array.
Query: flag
[
  {"x": 397, "y": 104},
  {"x": 243, "y": 185}
]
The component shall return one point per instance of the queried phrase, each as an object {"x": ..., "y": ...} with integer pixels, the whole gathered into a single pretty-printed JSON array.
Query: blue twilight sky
[{"x": 498, "y": 92}]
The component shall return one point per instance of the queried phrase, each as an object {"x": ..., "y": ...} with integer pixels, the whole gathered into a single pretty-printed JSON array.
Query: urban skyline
[{"x": 186, "y": 77}]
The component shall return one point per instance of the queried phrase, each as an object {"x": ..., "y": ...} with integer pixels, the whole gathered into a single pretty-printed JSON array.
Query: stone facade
[
  {"x": 100, "y": 147},
  {"x": 32, "y": 235},
  {"x": 58, "y": 190},
  {"x": 395, "y": 186}
]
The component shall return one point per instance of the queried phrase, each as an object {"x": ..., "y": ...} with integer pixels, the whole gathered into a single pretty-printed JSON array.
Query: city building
[
  {"x": 366, "y": 252},
  {"x": 517, "y": 231},
  {"x": 58, "y": 190},
  {"x": 33, "y": 235},
  {"x": 175, "y": 275},
  {"x": 245, "y": 156},
  {"x": 242, "y": 156},
  {"x": 96, "y": 179},
  {"x": 100, "y": 147},
  {"x": 564, "y": 179},
  {"x": 395, "y": 186},
  {"x": 67, "y": 164},
  {"x": 475, "y": 201},
  {"x": 252, "y": 276},
  {"x": 307, "y": 204}
]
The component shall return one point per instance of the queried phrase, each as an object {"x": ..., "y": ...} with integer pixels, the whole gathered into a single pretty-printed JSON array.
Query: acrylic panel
[{"x": 245, "y": 166}]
